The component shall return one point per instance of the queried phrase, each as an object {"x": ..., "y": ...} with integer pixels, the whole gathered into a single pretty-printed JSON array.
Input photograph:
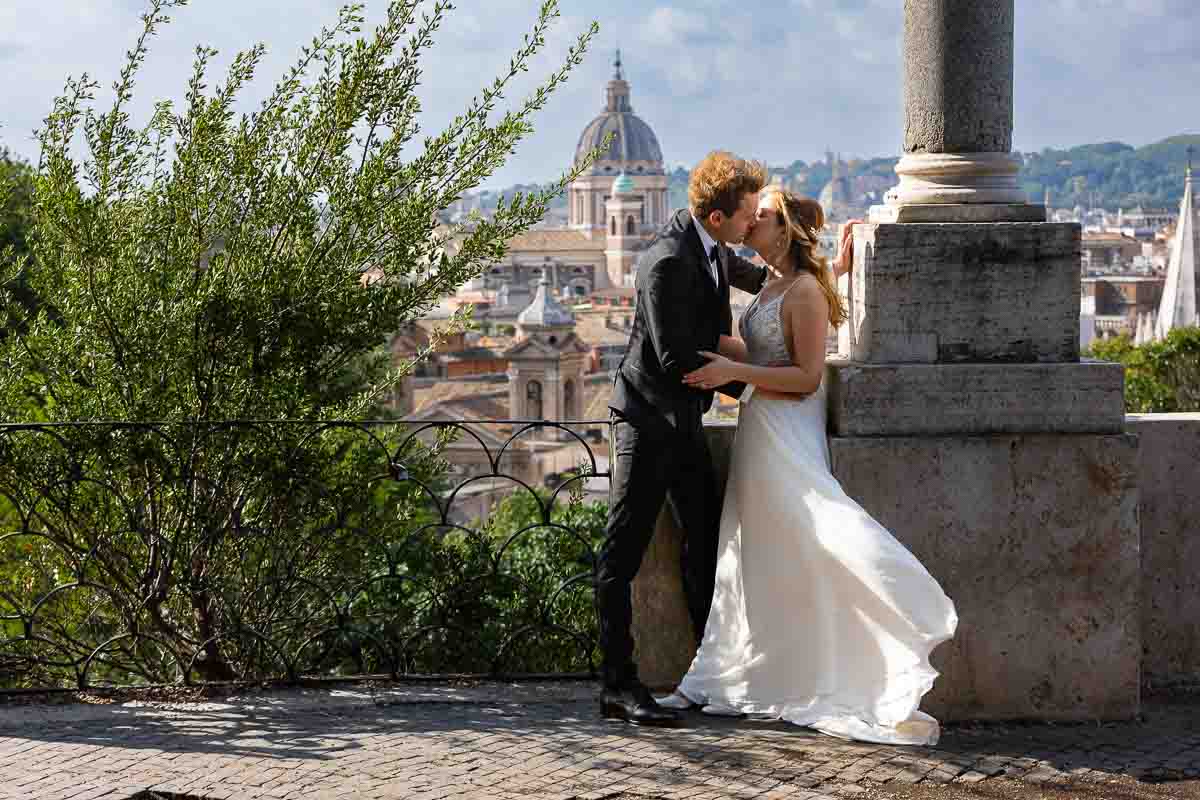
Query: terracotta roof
[
  {"x": 479, "y": 407},
  {"x": 471, "y": 353},
  {"x": 616, "y": 291},
  {"x": 554, "y": 239},
  {"x": 410, "y": 341},
  {"x": 447, "y": 391},
  {"x": 569, "y": 343},
  {"x": 498, "y": 343},
  {"x": 1108, "y": 237},
  {"x": 473, "y": 297},
  {"x": 592, "y": 328}
]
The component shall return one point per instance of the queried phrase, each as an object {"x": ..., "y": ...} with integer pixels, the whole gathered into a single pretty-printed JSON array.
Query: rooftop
[
  {"x": 545, "y": 311},
  {"x": 552, "y": 239},
  {"x": 467, "y": 395}
]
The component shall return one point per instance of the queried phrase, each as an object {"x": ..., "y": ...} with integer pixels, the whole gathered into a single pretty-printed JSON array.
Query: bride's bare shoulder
[{"x": 805, "y": 291}]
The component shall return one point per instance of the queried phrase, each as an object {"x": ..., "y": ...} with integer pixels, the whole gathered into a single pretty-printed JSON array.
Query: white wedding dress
[{"x": 819, "y": 616}]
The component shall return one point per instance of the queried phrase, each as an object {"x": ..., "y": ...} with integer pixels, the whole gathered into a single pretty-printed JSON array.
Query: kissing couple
[{"x": 804, "y": 608}]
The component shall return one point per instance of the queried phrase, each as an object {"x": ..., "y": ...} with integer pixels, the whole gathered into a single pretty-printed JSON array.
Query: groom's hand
[{"x": 717, "y": 372}]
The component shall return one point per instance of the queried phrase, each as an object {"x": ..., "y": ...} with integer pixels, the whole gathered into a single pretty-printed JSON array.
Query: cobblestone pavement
[{"x": 510, "y": 741}]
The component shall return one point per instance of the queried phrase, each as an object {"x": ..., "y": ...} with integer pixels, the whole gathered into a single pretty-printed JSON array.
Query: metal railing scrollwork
[{"x": 152, "y": 553}]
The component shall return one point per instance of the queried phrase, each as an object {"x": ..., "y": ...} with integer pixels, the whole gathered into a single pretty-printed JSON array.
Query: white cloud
[
  {"x": 674, "y": 27},
  {"x": 780, "y": 79}
]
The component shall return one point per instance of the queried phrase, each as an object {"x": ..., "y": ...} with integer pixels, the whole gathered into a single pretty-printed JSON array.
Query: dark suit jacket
[{"x": 680, "y": 311}]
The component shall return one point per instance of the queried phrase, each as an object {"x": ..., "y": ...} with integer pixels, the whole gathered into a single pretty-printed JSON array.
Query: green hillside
[{"x": 1111, "y": 174}]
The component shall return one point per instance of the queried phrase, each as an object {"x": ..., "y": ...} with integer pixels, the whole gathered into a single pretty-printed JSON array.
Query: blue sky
[{"x": 775, "y": 79}]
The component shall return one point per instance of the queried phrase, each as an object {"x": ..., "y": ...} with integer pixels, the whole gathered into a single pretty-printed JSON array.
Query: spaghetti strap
[{"x": 784, "y": 328}]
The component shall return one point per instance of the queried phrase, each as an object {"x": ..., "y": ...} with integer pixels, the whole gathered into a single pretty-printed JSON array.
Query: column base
[
  {"x": 956, "y": 178},
  {"x": 961, "y": 212}
]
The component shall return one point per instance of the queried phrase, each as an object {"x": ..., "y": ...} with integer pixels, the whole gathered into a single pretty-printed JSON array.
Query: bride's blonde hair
[{"x": 803, "y": 218}]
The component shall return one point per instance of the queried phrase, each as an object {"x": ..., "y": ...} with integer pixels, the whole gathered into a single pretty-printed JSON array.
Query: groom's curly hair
[{"x": 719, "y": 182}]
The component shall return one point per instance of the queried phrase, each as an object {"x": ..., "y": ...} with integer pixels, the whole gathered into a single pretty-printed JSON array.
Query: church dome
[
  {"x": 633, "y": 139},
  {"x": 545, "y": 311}
]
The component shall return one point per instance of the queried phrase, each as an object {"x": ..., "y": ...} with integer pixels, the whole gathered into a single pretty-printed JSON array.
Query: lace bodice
[{"x": 761, "y": 326}]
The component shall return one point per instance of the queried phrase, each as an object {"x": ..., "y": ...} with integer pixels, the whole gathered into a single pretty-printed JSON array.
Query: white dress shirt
[{"x": 708, "y": 242}]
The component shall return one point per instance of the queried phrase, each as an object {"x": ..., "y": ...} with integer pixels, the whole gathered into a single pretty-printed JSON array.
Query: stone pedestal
[
  {"x": 944, "y": 293},
  {"x": 663, "y": 642},
  {"x": 962, "y": 178},
  {"x": 974, "y": 212}
]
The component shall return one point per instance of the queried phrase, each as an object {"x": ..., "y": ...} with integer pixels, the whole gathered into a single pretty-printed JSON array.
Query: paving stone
[{"x": 492, "y": 749}]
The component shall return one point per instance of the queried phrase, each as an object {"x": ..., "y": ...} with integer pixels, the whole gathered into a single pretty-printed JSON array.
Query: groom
[{"x": 683, "y": 282}]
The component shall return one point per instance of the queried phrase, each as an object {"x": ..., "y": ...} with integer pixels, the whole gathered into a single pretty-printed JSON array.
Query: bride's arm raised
[{"x": 806, "y": 319}]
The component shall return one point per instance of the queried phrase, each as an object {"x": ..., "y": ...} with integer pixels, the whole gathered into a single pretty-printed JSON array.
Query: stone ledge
[{"x": 946, "y": 399}]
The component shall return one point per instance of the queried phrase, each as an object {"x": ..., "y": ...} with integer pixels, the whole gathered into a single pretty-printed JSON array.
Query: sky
[{"x": 778, "y": 80}]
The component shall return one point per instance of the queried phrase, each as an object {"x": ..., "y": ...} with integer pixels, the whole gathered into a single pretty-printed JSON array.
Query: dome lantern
[
  {"x": 632, "y": 139},
  {"x": 623, "y": 184},
  {"x": 544, "y": 312}
]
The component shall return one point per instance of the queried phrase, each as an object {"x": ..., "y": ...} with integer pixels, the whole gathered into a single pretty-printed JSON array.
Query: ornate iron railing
[{"x": 150, "y": 553}]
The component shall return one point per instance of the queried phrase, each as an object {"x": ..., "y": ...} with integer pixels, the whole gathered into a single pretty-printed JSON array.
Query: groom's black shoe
[{"x": 635, "y": 704}]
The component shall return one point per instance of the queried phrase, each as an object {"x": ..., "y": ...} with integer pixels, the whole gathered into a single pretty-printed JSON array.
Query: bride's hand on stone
[
  {"x": 717, "y": 372},
  {"x": 845, "y": 256}
]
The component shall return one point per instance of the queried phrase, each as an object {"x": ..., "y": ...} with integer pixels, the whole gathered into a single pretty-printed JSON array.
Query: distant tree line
[{"x": 1107, "y": 175}]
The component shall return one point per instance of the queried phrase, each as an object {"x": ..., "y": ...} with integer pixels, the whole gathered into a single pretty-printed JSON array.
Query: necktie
[{"x": 714, "y": 265}]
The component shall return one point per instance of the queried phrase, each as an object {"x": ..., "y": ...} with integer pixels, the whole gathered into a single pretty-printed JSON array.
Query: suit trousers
[{"x": 655, "y": 461}]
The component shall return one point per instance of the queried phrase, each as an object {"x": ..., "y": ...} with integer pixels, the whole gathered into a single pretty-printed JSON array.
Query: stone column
[{"x": 958, "y": 115}]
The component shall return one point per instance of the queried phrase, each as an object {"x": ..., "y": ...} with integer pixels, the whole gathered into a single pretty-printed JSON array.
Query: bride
[{"x": 819, "y": 616}]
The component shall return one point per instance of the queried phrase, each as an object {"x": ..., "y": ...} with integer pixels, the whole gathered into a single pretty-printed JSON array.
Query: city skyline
[{"x": 783, "y": 83}]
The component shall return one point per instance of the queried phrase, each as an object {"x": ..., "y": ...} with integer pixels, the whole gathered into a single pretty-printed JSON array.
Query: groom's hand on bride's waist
[{"x": 717, "y": 372}]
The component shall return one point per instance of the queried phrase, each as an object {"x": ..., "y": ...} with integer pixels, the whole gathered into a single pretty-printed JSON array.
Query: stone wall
[
  {"x": 1035, "y": 538},
  {"x": 1169, "y": 478}
]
